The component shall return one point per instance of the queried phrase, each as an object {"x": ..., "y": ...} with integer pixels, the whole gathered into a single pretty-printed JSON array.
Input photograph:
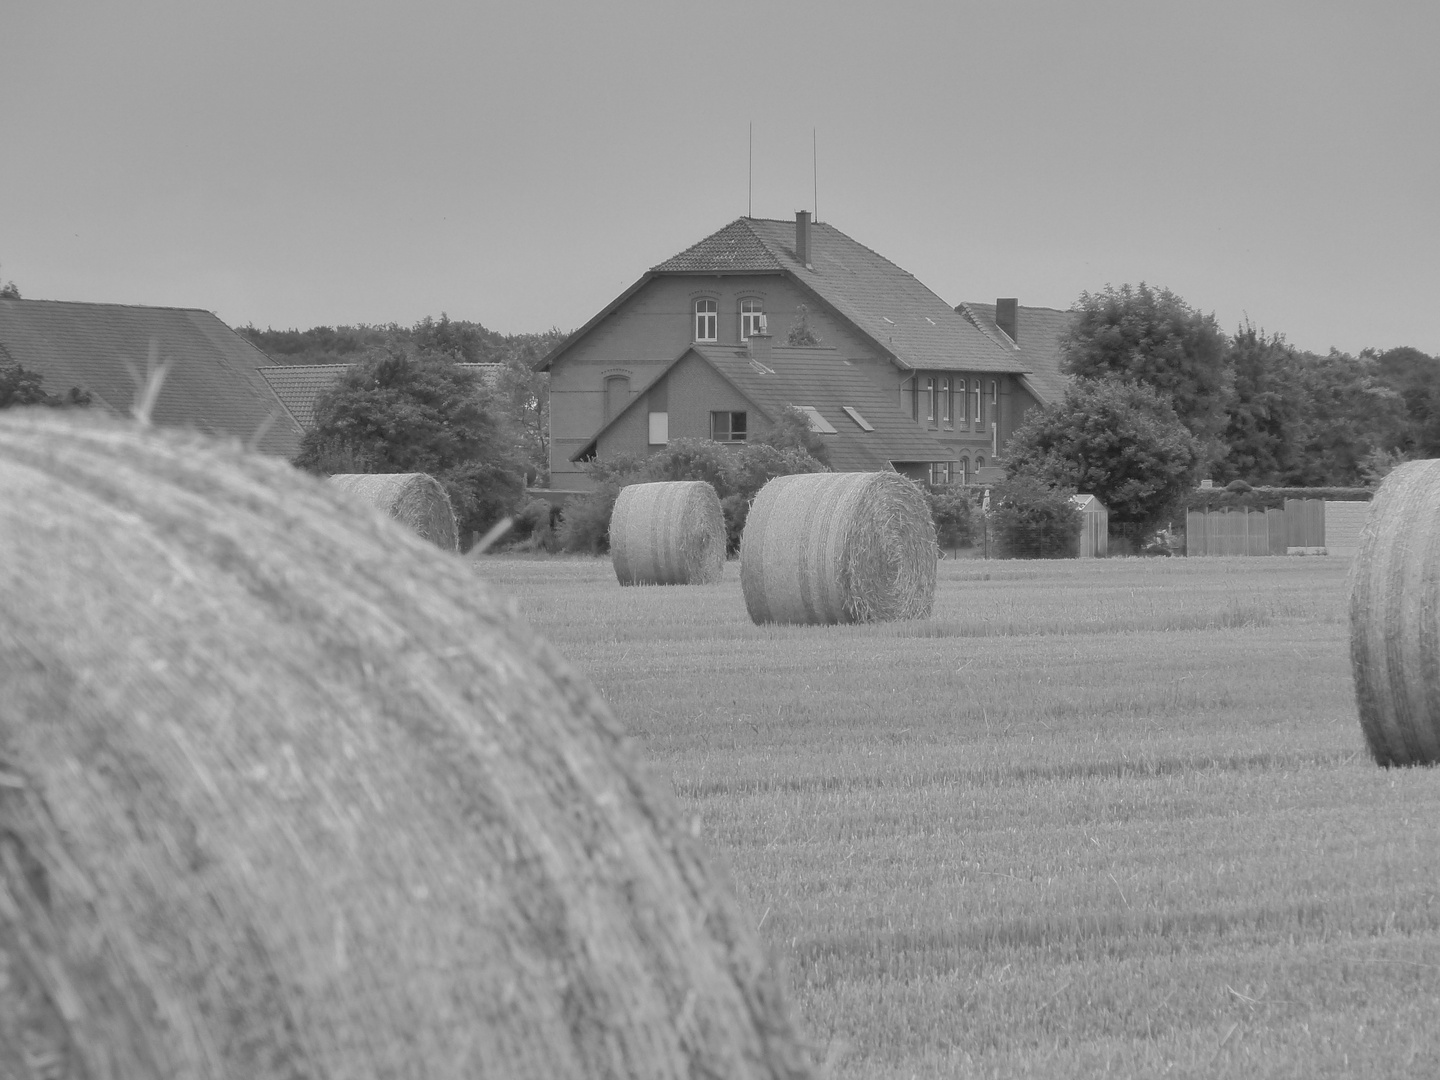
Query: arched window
[
  {"x": 706, "y": 321},
  {"x": 617, "y": 395},
  {"x": 752, "y": 318},
  {"x": 962, "y": 470}
]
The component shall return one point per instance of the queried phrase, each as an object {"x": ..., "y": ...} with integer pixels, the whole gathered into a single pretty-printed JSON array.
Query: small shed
[{"x": 1094, "y": 527}]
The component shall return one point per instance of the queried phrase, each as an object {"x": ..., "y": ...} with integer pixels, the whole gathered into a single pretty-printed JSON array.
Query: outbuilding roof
[{"x": 212, "y": 383}]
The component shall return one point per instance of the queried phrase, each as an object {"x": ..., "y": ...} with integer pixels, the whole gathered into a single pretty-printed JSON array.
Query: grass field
[{"x": 1092, "y": 818}]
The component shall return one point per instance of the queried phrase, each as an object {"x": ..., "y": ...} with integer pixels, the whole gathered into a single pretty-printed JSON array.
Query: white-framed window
[
  {"x": 659, "y": 428},
  {"x": 930, "y": 399},
  {"x": 977, "y": 414},
  {"x": 939, "y": 473},
  {"x": 994, "y": 417},
  {"x": 945, "y": 409},
  {"x": 707, "y": 321},
  {"x": 728, "y": 426},
  {"x": 752, "y": 318},
  {"x": 962, "y": 470}
]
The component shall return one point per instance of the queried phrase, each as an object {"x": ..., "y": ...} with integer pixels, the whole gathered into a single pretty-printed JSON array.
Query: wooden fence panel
[{"x": 1275, "y": 521}]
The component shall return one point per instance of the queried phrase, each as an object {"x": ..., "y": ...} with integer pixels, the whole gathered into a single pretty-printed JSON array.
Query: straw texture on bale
[
  {"x": 670, "y": 533},
  {"x": 1395, "y": 618},
  {"x": 416, "y": 500},
  {"x": 280, "y": 799},
  {"x": 838, "y": 548}
]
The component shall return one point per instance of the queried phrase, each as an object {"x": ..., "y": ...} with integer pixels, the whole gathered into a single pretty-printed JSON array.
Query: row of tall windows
[
  {"x": 944, "y": 402},
  {"x": 707, "y": 319},
  {"x": 955, "y": 472}
]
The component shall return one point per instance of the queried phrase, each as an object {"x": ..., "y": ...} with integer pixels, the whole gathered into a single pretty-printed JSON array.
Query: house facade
[{"x": 715, "y": 342}]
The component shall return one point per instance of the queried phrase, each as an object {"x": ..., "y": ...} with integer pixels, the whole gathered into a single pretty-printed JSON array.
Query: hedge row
[{"x": 1272, "y": 498}]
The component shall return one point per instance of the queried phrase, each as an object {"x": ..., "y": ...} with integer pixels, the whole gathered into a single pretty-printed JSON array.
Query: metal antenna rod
[
  {"x": 815, "y": 172},
  {"x": 750, "y": 191}
]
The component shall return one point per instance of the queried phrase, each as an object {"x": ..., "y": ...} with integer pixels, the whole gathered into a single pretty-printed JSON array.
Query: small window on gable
[
  {"x": 817, "y": 422},
  {"x": 617, "y": 395},
  {"x": 706, "y": 321},
  {"x": 728, "y": 426},
  {"x": 854, "y": 414},
  {"x": 752, "y": 318},
  {"x": 659, "y": 428}
]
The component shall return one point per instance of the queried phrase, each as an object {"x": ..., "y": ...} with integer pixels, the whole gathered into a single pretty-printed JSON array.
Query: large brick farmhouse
[{"x": 894, "y": 378}]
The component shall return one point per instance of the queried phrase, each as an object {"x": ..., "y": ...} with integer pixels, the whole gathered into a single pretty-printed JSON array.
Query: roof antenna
[
  {"x": 815, "y": 174},
  {"x": 750, "y": 191}
]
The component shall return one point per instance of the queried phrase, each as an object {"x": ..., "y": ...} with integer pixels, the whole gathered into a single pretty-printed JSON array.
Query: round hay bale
[
  {"x": 838, "y": 547},
  {"x": 670, "y": 533},
  {"x": 280, "y": 799},
  {"x": 1395, "y": 618},
  {"x": 416, "y": 500}
]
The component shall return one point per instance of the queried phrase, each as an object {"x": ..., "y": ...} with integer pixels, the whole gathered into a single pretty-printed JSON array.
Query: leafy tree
[
  {"x": 801, "y": 332},
  {"x": 21, "y": 387},
  {"x": 8, "y": 291},
  {"x": 398, "y": 412},
  {"x": 1139, "y": 335},
  {"x": 1033, "y": 519},
  {"x": 1119, "y": 441},
  {"x": 1416, "y": 378},
  {"x": 792, "y": 431},
  {"x": 1267, "y": 425},
  {"x": 1349, "y": 413},
  {"x": 953, "y": 514}
]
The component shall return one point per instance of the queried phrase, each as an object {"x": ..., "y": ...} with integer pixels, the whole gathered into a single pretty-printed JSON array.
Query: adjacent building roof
[
  {"x": 817, "y": 379},
  {"x": 212, "y": 383},
  {"x": 298, "y": 385},
  {"x": 885, "y": 303},
  {"x": 1040, "y": 331}
]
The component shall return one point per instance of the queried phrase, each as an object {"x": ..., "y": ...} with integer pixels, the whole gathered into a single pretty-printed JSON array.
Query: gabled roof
[
  {"x": 1041, "y": 332},
  {"x": 213, "y": 383},
  {"x": 819, "y": 379},
  {"x": 879, "y": 299},
  {"x": 298, "y": 385}
]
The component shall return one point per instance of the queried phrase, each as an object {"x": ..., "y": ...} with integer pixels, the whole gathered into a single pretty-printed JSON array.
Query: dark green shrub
[
  {"x": 1032, "y": 520},
  {"x": 952, "y": 512}
]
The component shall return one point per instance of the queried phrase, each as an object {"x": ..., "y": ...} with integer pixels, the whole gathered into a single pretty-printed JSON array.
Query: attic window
[
  {"x": 854, "y": 414},
  {"x": 817, "y": 422}
]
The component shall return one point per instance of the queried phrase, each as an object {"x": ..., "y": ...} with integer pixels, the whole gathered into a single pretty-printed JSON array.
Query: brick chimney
[
  {"x": 802, "y": 238},
  {"x": 1007, "y": 317}
]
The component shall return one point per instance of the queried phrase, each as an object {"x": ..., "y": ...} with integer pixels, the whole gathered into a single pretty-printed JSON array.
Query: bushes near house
[
  {"x": 1033, "y": 520},
  {"x": 953, "y": 513}
]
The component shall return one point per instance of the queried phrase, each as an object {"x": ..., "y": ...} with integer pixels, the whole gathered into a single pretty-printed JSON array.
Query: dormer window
[
  {"x": 706, "y": 321},
  {"x": 752, "y": 318}
]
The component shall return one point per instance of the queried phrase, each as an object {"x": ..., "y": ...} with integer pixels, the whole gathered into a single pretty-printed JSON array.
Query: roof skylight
[
  {"x": 817, "y": 422},
  {"x": 854, "y": 414}
]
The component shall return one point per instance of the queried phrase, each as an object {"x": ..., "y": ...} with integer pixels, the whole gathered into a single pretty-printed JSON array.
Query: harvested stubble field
[{"x": 1092, "y": 818}]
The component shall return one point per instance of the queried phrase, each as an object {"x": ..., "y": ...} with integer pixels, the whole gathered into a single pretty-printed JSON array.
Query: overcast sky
[{"x": 296, "y": 162}]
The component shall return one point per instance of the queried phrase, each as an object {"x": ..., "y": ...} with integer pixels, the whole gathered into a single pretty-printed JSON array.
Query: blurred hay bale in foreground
[
  {"x": 668, "y": 533},
  {"x": 838, "y": 548},
  {"x": 280, "y": 799},
  {"x": 416, "y": 500}
]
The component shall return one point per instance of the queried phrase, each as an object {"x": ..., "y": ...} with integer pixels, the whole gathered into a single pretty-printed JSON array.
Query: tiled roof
[
  {"x": 735, "y": 247},
  {"x": 888, "y": 304},
  {"x": 1041, "y": 330},
  {"x": 213, "y": 383},
  {"x": 820, "y": 379},
  {"x": 298, "y": 385}
]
